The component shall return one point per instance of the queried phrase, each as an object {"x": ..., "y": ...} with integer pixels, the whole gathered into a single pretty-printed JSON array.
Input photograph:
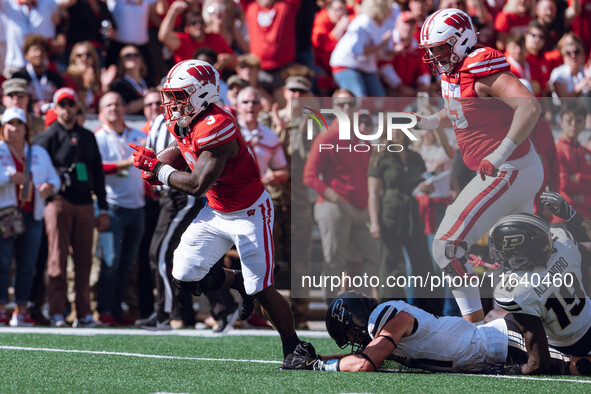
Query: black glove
[
  {"x": 504, "y": 369},
  {"x": 558, "y": 205},
  {"x": 303, "y": 357}
]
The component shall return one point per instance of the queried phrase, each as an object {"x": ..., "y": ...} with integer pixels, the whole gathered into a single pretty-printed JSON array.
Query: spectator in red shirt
[
  {"x": 406, "y": 73},
  {"x": 514, "y": 18},
  {"x": 330, "y": 24},
  {"x": 271, "y": 27},
  {"x": 574, "y": 160},
  {"x": 578, "y": 17},
  {"x": 219, "y": 16},
  {"x": 535, "y": 40},
  {"x": 184, "y": 44}
]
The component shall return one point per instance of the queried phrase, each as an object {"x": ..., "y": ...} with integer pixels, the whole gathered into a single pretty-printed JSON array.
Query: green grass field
[{"x": 103, "y": 360}]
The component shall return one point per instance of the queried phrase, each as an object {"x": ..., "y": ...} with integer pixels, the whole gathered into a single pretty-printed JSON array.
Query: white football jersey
[
  {"x": 562, "y": 304},
  {"x": 446, "y": 343}
]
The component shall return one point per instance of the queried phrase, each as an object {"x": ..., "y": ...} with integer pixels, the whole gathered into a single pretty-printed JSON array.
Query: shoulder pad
[
  {"x": 485, "y": 61},
  {"x": 216, "y": 127}
]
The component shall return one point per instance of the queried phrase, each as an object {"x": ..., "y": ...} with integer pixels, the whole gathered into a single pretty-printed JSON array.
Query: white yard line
[
  {"x": 20, "y": 348},
  {"x": 135, "y": 331},
  {"x": 102, "y": 353}
]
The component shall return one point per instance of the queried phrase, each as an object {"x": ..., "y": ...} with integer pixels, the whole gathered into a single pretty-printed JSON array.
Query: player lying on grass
[
  {"x": 543, "y": 264},
  {"x": 398, "y": 331}
]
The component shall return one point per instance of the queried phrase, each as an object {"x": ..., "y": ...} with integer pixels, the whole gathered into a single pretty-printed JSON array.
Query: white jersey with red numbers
[
  {"x": 239, "y": 185},
  {"x": 480, "y": 124},
  {"x": 554, "y": 292},
  {"x": 446, "y": 343}
]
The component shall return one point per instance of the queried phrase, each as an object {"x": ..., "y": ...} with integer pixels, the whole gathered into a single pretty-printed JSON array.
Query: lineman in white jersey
[
  {"x": 545, "y": 263},
  {"x": 418, "y": 339}
]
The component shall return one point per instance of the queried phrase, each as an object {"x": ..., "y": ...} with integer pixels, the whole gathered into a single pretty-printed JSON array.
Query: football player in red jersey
[
  {"x": 492, "y": 135},
  {"x": 239, "y": 211}
]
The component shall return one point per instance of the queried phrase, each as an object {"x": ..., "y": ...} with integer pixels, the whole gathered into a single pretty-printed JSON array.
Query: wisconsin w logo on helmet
[
  {"x": 203, "y": 73},
  {"x": 459, "y": 21}
]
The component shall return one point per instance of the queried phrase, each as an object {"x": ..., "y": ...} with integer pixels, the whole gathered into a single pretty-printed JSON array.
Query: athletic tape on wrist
[
  {"x": 164, "y": 173},
  {"x": 428, "y": 122},
  {"x": 502, "y": 153}
]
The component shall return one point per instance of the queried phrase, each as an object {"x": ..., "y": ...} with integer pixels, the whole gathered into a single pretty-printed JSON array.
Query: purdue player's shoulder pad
[
  {"x": 385, "y": 312},
  {"x": 485, "y": 61},
  {"x": 216, "y": 128}
]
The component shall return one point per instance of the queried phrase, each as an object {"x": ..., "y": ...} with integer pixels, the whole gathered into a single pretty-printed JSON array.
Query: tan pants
[{"x": 68, "y": 225}]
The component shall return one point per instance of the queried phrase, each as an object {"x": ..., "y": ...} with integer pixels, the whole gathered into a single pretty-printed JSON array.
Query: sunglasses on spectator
[
  {"x": 130, "y": 56},
  {"x": 16, "y": 94},
  {"x": 83, "y": 54},
  {"x": 212, "y": 9},
  {"x": 301, "y": 91},
  {"x": 254, "y": 102},
  {"x": 196, "y": 22},
  {"x": 571, "y": 53},
  {"x": 157, "y": 103},
  {"x": 15, "y": 122},
  {"x": 66, "y": 103}
]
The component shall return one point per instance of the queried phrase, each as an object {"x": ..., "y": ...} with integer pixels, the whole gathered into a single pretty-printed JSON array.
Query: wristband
[
  {"x": 502, "y": 153},
  {"x": 103, "y": 212},
  {"x": 328, "y": 365},
  {"x": 429, "y": 122},
  {"x": 164, "y": 173}
]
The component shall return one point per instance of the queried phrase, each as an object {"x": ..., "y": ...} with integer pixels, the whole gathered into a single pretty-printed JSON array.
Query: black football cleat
[{"x": 246, "y": 307}]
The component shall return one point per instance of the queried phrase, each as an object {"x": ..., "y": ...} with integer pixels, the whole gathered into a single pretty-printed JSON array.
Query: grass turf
[{"x": 45, "y": 371}]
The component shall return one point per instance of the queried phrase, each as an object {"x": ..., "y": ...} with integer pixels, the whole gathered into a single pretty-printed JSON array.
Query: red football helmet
[
  {"x": 190, "y": 86},
  {"x": 446, "y": 36}
]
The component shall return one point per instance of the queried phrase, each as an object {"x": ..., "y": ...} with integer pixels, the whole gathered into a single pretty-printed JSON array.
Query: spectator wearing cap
[
  {"x": 248, "y": 68},
  {"x": 184, "y": 44},
  {"x": 69, "y": 215},
  {"x": 125, "y": 197},
  {"x": 27, "y": 178},
  {"x": 42, "y": 82},
  {"x": 406, "y": 73},
  {"x": 15, "y": 94},
  {"x": 368, "y": 39},
  {"x": 235, "y": 85}
]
